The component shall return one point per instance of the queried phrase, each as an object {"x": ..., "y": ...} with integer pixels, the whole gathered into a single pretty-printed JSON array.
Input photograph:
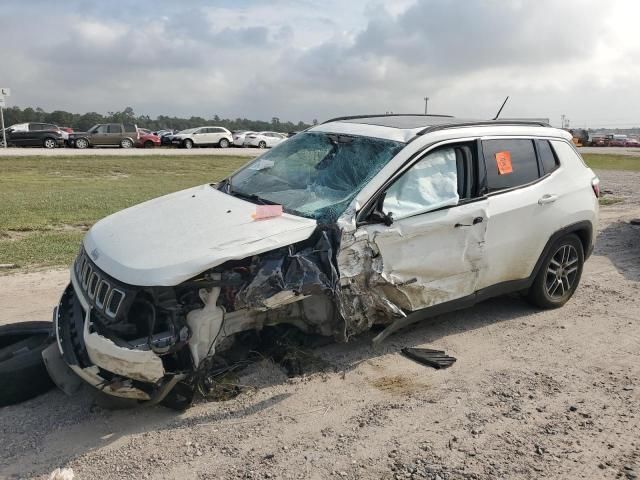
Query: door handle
[
  {"x": 476, "y": 221},
  {"x": 545, "y": 199}
]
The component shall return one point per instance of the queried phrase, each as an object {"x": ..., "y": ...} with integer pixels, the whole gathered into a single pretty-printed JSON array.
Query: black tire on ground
[
  {"x": 148, "y": 144},
  {"x": 262, "y": 144},
  {"x": 22, "y": 371},
  {"x": 126, "y": 143},
  {"x": 223, "y": 143},
  {"x": 188, "y": 144},
  {"x": 559, "y": 274}
]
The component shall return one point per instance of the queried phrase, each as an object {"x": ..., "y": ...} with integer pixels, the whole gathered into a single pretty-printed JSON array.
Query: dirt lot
[{"x": 553, "y": 394}]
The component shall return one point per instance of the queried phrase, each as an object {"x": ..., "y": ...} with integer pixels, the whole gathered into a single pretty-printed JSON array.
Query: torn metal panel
[
  {"x": 282, "y": 275},
  {"x": 415, "y": 263}
]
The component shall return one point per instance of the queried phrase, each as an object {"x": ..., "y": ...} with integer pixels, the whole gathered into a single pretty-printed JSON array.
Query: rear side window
[
  {"x": 547, "y": 156},
  {"x": 509, "y": 163},
  {"x": 115, "y": 128}
]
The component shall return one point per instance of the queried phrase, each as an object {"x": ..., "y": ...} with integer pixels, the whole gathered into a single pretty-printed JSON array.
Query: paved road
[
  {"x": 127, "y": 152},
  {"x": 632, "y": 152}
]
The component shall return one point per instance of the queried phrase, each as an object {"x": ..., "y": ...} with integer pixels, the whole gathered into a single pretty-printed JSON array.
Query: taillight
[{"x": 595, "y": 185}]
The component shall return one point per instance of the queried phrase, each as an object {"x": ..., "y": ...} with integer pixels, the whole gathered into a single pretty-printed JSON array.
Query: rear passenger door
[
  {"x": 522, "y": 193},
  {"x": 114, "y": 134}
]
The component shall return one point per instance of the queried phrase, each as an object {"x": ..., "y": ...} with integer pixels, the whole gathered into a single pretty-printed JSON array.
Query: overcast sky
[{"x": 307, "y": 59}]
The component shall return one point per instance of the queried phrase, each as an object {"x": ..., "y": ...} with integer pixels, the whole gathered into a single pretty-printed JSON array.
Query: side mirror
[{"x": 380, "y": 217}]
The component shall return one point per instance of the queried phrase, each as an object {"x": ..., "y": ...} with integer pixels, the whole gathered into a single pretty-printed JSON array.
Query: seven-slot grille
[{"x": 98, "y": 289}]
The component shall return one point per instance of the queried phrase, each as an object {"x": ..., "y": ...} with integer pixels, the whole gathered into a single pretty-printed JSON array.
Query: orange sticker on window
[{"x": 503, "y": 159}]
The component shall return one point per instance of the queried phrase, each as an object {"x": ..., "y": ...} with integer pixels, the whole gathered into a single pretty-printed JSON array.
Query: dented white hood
[{"x": 170, "y": 239}]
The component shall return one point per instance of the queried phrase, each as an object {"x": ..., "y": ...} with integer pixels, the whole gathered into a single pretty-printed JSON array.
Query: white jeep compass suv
[{"x": 358, "y": 221}]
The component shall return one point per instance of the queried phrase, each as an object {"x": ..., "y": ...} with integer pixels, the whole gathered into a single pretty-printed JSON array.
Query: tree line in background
[{"x": 78, "y": 122}]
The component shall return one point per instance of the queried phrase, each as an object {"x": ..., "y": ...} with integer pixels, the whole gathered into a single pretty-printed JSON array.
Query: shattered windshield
[{"x": 314, "y": 174}]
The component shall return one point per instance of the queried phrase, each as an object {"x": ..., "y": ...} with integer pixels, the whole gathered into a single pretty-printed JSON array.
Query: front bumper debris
[{"x": 115, "y": 370}]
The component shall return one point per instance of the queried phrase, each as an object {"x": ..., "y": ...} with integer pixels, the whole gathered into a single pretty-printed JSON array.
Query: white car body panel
[
  {"x": 170, "y": 239},
  {"x": 254, "y": 139},
  {"x": 238, "y": 138}
]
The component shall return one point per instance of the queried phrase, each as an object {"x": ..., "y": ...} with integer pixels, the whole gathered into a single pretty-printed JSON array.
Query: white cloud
[{"x": 311, "y": 59}]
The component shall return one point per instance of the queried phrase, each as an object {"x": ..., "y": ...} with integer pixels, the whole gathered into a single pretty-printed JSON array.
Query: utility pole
[
  {"x": 562, "y": 117},
  {"x": 3, "y": 92},
  {"x": 426, "y": 104}
]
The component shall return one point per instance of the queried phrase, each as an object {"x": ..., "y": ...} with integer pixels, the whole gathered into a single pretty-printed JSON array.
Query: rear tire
[
  {"x": 262, "y": 144},
  {"x": 49, "y": 143},
  {"x": 559, "y": 274},
  {"x": 223, "y": 143},
  {"x": 148, "y": 144},
  {"x": 22, "y": 371},
  {"x": 126, "y": 143}
]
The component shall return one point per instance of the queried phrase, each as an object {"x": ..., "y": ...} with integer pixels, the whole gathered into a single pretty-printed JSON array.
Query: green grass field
[
  {"x": 47, "y": 203},
  {"x": 612, "y": 162}
]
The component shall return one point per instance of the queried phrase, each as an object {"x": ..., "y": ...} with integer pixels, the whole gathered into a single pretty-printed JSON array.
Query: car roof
[{"x": 406, "y": 127}]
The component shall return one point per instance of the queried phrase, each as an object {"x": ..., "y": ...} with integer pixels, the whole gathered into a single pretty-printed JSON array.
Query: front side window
[
  {"x": 509, "y": 163},
  {"x": 430, "y": 184},
  {"x": 314, "y": 174},
  {"x": 101, "y": 129}
]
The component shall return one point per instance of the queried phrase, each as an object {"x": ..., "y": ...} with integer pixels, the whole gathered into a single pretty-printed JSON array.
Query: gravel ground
[
  {"x": 125, "y": 152},
  {"x": 534, "y": 394}
]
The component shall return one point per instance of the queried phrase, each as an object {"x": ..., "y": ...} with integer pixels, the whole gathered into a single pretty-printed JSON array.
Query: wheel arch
[{"x": 583, "y": 230}]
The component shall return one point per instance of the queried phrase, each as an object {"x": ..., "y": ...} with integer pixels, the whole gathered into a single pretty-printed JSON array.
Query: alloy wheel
[{"x": 562, "y": 271}]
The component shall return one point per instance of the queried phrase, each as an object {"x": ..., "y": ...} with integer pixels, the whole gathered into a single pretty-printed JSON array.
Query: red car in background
[
  {"x": 146, "y": 139},
  {"x": 632, "y": 142}
]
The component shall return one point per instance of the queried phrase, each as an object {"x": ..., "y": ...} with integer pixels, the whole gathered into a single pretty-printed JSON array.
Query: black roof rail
[
  {"x": 356, "y": 117},
  {"x": 481, "y": 123}
]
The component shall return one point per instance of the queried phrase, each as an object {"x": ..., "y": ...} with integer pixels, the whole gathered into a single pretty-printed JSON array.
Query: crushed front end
[{"x": 139, "y": 342}]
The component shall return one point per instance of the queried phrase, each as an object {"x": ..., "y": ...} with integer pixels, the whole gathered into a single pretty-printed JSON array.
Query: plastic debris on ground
[{"x": 433, "y": 358}]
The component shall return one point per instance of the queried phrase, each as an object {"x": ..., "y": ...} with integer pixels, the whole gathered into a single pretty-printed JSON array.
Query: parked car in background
[
  {"x": 35, "y": 134},
  {"x": 264, "y": 139},
  {"x": 203, "y": 137},
  {"x": 147, "y": 140},
  {"x": 239, "y": 137},
  {"x": 106, "y": 134},
  {"x": 618, "y": 141},
  {"x": 632, "y": 142},
  {"x": 66, "y": 129},
  {"x": 165, "y": 136}
]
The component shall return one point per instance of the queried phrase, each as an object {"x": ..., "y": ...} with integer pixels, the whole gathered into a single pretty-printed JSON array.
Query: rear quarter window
[
  {"x": 547, "y": 156},
  {"x": 509, "y": 163}
]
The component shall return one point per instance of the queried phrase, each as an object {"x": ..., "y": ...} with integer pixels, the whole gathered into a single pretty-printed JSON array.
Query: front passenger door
[{"x": 433, "y": 250}]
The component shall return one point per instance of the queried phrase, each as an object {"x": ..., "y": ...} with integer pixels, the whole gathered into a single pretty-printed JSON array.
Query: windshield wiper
[{"x": 252, "y": 197}]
